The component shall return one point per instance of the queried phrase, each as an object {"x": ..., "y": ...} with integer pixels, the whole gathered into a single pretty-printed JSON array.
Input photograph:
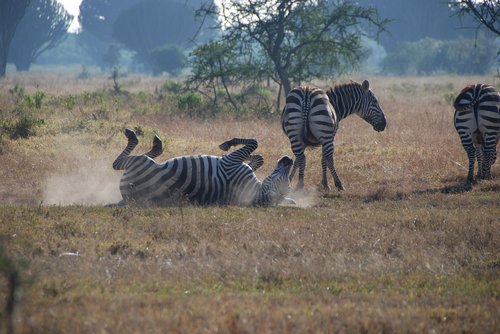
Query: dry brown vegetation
[{"x": 401, "y": 250}]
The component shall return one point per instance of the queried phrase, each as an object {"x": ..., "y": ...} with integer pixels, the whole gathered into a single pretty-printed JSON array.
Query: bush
[
  {"x": 190, "y": 100},
  {"x": 23, "y": 124},
  {"x": 171, "y": 86},
  {"x": 167, "y": 58},
  {"x": 429, "y": 56}
]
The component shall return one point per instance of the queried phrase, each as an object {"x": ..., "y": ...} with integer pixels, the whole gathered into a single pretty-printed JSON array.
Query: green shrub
[
  {"x": 23, "y": 123},
  {"x": 189, "y": 100},
  {"x": 171, "y": 86},
  {"x": 38, "y": 97},
  {"x": 22, "y": 126}
]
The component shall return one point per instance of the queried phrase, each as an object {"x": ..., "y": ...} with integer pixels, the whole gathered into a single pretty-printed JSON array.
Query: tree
[
  {"x": 300, "y": 39},
  {"x": 11, "y": 13},
  {"x": 153, "y": 23},
  {"x": 43, "y": 27},
  {"x": 97, "y": 18},
  {"x": 167, "y": 58},
  {"x": 486, "y": 12},
  {"x": 413, "y": 20}
]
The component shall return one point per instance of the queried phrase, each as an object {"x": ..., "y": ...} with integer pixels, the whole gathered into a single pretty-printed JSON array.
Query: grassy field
[{"x": 401, "y": 250}]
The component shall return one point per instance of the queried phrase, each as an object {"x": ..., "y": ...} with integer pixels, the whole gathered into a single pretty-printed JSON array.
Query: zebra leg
[
  {"x": 471, "y": 154},
  {"x": 328, "y": 159},
  {"x": 157, "y": 148},
  {"x": 256, "y": 161},
  {"x": 121, "y": 161},
  {"x": 480, "y": 162},
  {"x": 300, "y": 161},
  {"x": 324, "y": 179},
  {"x": 242, "y": 154},
  {"x": 489, "y": 158}
]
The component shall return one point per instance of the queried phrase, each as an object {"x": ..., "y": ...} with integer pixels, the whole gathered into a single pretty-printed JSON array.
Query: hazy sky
[{"x": 72, "y": 7}]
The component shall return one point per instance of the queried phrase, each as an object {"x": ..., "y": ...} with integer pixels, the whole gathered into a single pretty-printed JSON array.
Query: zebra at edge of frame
[
  {"x": 477, "y": 121},
  {"x": 201, "y": 179},
  {"x": 311, "y": 117}
]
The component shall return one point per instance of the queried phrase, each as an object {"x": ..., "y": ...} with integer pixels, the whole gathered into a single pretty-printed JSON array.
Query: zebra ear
[{"x": 365, "y": 85}]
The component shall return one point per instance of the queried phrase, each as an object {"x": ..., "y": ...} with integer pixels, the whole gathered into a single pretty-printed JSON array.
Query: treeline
[{"x": 158, "y": 36}]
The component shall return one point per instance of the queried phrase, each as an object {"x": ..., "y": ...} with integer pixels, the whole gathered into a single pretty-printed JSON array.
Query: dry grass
[{"x": 394, "y": 253}]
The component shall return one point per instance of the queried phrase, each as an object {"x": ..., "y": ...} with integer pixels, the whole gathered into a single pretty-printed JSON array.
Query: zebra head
[
  {"x": 277, "y": 185},
  {"x": 370, "y": 110}
]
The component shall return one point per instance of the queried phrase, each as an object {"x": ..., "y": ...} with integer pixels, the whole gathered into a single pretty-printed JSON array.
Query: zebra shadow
[{"x": 460, "y": 188}]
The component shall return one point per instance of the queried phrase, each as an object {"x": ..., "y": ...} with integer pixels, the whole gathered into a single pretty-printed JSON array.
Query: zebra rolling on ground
[
  {"x": 201, "y": 179},
  {"x": 477, "y": 121},
  {"x": 311, "y": 118}
]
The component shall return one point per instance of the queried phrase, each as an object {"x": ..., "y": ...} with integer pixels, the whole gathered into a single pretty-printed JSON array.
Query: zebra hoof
[
  {"x": 157, "y": 143},
  {"x": 224, "y": 146},
  {"x": 130, "y": 134}
]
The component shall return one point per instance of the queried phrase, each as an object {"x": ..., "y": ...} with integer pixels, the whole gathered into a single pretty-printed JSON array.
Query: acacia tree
[
  {"x": 486, "y": 12},
  {"x": 154, "y": 24},
  {"x": 299, "y": 39},
  {"x": 97, "y": 18},
  {"x": 11, "y": 12},
  {"x": 43, "y": 27}
]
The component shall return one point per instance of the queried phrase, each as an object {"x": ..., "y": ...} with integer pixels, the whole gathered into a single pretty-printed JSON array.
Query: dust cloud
[
  {"x": 304, "y": 199},
  {"x": 92, "y": 181}
]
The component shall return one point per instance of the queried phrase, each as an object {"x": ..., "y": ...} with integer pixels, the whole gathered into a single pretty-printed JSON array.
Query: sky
[{"x": 72, "y": 6}]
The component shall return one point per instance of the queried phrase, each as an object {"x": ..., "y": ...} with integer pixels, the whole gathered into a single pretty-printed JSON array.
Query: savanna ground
[{"x": 401, "y": 250}]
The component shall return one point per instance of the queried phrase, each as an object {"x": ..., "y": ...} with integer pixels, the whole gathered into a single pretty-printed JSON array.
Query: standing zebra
[
  {"x": 477, "y": 121},
  {"x": 201, "y": 179},
  {"x": 311, "y": 118}
]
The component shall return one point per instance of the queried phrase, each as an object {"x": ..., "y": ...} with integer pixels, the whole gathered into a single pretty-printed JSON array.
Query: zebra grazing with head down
[
  {"x": 201, "y": 179},
  {"x": 477, "y": 121},
  {"x": 311, "y": 118}
]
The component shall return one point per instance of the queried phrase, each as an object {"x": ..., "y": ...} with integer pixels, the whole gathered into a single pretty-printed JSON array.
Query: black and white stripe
[
  {"x": 201, "y": 179},
  {"x": 477, "y": 121},
  {"x": 311, "y": 116}
]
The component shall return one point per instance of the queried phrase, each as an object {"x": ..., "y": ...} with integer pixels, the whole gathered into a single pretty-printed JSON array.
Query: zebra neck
[
  {"x": 262, "y": 198},
  {"x": 342, "y": 101}
]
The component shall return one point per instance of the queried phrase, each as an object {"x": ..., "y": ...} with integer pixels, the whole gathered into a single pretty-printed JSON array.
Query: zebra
[
  {"x": 311, "y": 118},
  {"x": 201, "y": 179},
  {"x": 477, "y": 121}
]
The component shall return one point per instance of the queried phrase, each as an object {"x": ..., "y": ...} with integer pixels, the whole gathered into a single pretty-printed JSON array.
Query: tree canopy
[
  {"x": 292, "y": 40},
  {"x": 151, "y": 24},
  {"x": 486, "y": 13},
  {"x": 43, "y": 27},
  {"x": 11, "y": 13}
]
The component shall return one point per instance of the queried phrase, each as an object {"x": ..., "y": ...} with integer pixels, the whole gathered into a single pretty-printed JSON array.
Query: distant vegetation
[
  {"x": 430, "y": 56},
  {"x": 135, "y": 36}
]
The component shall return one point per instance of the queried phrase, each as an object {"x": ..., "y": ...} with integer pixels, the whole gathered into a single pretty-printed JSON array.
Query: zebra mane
[
  {"x": 335, "y": 90},
  {"x": 343, "y": 86}
]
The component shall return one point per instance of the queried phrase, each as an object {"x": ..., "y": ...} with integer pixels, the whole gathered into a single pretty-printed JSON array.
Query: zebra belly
[{"x": 198, "y": 179}]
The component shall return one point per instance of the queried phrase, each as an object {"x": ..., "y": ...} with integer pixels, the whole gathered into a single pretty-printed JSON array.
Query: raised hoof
[
  {"x": 157, "y": 143},
  {"x": 225, "y": 146},
  {"x": 130, "y": 134}
]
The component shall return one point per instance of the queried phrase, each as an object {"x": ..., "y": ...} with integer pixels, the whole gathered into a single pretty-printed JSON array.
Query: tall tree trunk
[
  {"x": 3, "y": 61},
  {"x": 22, "y": 64}
]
